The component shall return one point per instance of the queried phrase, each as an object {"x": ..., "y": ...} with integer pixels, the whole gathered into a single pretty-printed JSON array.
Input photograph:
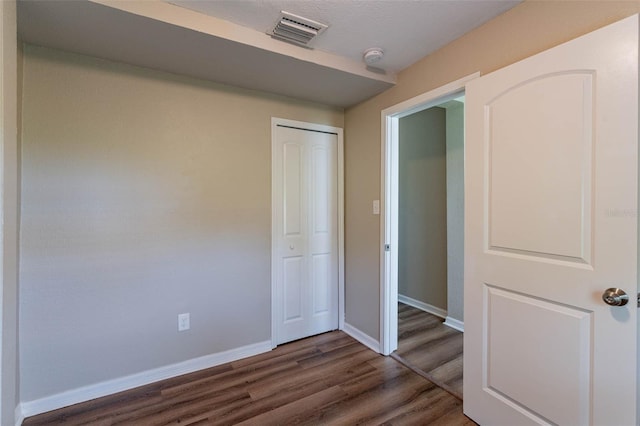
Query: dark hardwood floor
[
  {"x": 329, "y": 379},
  {"x": 430, "y": 348}
]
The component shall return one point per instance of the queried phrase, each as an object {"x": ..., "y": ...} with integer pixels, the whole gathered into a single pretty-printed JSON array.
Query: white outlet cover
[
  {"x": 184, "y": 322},
  {"x": 376, "y": 206}
]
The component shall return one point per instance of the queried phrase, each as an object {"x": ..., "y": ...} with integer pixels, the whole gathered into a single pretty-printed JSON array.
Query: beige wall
[
  {"x": 9, "y": 188},
  {"x": 422, "y": 207},
  {"x": 529, "y": 28},
  {"x": 144, "y": 195}
]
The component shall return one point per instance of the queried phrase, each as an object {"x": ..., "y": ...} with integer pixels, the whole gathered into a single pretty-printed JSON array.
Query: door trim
[
  {"x": 275, "y": 307},
  {"x": 389, "y": 198}
]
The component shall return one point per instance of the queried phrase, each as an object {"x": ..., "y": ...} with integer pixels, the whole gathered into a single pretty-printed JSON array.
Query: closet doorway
[{"x": 307, "y": 237}]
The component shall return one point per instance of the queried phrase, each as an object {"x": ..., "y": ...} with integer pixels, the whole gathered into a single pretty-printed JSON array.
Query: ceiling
[
  {"x": 407, "y": 30},
  {"x": 225, "y": 40}
]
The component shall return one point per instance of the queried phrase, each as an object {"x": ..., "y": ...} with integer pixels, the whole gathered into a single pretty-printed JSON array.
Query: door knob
[{"x": 615, "y": 297}]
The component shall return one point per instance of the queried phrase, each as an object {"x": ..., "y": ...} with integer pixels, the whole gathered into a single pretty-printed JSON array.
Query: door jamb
[
  {"x": 275, "y": 306},
  {"x": 389, "y": 198}
]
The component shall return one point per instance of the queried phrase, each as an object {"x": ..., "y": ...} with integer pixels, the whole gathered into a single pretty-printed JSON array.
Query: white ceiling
[
  {"x": 225, "y": 40},
  {"x": 407, "y": 30}
]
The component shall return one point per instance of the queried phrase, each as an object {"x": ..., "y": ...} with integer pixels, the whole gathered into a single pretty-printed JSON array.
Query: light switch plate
[{"x": 376, "y": 206}]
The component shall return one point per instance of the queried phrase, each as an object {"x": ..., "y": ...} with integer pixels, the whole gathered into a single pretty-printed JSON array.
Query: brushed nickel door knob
[{"x": 615, "y": 297}]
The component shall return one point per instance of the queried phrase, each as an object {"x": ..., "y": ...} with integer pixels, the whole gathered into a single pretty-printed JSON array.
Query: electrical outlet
[{"x": 183, "y": 322}]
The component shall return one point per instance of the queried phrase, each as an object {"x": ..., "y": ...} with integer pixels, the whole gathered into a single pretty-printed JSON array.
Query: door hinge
[{"x": 387, "y": 247}]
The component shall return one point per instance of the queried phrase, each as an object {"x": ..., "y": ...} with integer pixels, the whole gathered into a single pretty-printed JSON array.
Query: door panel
[
  {"x": 307, "y": 233},
  {"x": 552, "y": 340},
  {"x": 293, "y": 278},
  {"x": 539, "y": 190},
  {"x": 323, "y": 232},
  {"x": 321, "y": 284},
  {"x": 321, "y": 185},
  {"x": 551, "y": 157},
  {"x": 293, "y": 207}
]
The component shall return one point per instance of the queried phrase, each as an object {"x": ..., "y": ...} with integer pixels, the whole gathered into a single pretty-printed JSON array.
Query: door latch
[{"x": 387, "y": 247}]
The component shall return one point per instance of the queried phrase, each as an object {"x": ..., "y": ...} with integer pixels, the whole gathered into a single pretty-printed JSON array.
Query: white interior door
[
  {"x": 306, "y": 240},
  {"x": 551, "y": 222}
]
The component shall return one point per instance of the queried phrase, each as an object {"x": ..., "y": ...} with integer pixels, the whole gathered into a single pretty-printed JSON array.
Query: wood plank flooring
[
  {"x": 430, "y": 348},
  {"x": 329, "y": 379}
]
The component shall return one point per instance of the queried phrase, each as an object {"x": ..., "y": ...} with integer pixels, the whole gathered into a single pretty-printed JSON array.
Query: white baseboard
[
  {"x": 361, "y": 337},
  {"x": 86, "y": 393},
  {"x": 454, "y": 323},
  {"x": 422, "y": 306},
  {"x": 18, "y": 415}
]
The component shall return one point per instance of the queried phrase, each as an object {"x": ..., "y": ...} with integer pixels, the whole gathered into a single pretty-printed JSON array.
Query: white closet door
[{"x": 306, "y": 211}]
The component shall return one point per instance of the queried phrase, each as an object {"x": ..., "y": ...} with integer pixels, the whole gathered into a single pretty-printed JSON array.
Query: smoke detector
[
  {"x": 296, "y": 29},
  {"x": 373, "y": 55}
]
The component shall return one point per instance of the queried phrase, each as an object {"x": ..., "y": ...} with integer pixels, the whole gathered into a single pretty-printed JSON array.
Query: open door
[{"x": 551, "y": 223}]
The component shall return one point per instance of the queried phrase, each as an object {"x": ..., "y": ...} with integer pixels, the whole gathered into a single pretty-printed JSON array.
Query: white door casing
[
  {"x": 389, "y": 172},
  {"x": 306, "y": 229},
  {"x": 551, "y": 189}
]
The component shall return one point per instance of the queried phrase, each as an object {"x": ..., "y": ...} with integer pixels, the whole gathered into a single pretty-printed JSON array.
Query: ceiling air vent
[{"x": 296, "y": 29}]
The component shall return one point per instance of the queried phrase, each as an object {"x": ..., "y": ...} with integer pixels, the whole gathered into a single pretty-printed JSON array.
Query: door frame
[
  {"x": 276, "y": 308},
  {"x": 389, "y": 198}
]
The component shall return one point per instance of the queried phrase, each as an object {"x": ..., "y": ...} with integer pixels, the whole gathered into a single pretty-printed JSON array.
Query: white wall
[
  {"x": 455, "y": 210},
  {"x": 422, "y": 207},
  {"x": 9, "y": 188},
  {"x": 144, "y": 195}
]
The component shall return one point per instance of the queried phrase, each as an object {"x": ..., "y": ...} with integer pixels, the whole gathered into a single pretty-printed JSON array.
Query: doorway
[
  {"x": 390, "y": 200},
  {"x": 431, "y": 210},
  {"x": 307, "y": 230},
  {"x": 431, "y": 243}
]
